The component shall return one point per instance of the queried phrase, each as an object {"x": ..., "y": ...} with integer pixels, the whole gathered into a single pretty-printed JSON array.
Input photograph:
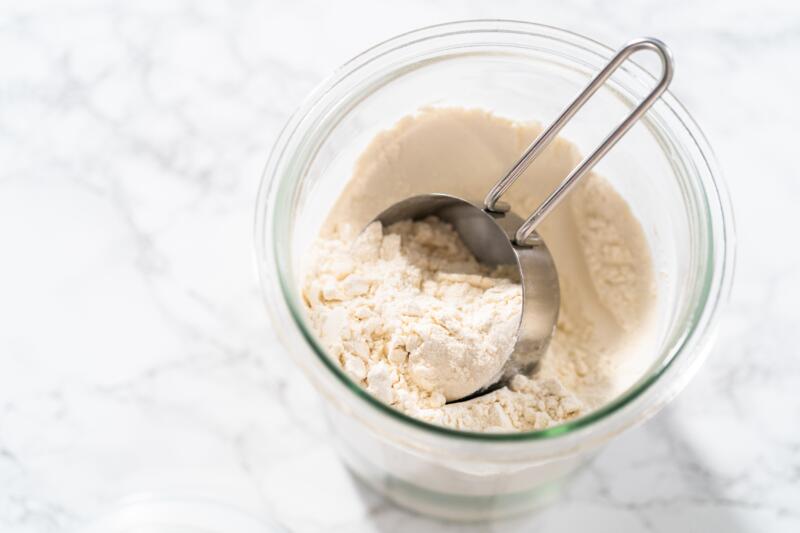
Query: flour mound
[{"x": 412, "y": 316}]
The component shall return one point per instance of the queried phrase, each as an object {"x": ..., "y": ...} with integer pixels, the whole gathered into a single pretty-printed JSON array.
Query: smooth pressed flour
[{"x": 410, "y": 314}]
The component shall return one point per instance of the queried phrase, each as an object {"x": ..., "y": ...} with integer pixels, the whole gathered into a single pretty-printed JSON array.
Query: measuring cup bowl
[{"x": 490, "y": 238}]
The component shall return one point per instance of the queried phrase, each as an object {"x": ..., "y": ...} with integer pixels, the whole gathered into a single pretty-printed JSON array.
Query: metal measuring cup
[{"x": 496, "y": 236}]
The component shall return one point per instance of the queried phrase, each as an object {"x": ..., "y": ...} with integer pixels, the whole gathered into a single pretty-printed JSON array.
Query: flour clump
[{"x": 412, "y": 316}]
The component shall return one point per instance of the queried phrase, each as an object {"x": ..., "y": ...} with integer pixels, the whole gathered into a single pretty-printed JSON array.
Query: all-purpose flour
[{"x": 410, "y": 314}]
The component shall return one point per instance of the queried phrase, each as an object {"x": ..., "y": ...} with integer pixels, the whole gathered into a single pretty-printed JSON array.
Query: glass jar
[{"x": 664, "y": 169}]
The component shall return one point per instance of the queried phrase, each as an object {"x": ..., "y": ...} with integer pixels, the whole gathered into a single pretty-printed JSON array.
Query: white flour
[
  {"x": 410, "y": 315},
  {"x": 415, "y": 319}
]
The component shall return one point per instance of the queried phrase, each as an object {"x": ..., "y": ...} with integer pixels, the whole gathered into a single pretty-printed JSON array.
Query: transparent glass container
[{"x": 663, "y": 168}]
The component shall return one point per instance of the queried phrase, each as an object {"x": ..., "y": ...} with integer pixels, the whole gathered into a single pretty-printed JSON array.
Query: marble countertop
[{"x": 135, "y": 353}]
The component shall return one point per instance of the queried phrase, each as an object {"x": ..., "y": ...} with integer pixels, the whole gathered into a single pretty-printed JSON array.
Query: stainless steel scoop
[{"x": 496, "y": 236}]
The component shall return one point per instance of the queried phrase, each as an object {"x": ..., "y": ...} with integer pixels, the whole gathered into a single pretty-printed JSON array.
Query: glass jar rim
[{"x": 716, "y": 282}]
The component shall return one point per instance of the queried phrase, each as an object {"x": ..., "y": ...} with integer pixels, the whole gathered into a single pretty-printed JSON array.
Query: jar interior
[{"x": 523, "y": 81}]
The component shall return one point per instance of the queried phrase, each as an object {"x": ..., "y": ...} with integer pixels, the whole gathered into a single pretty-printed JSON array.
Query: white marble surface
[{"x": 135, "y": 354}]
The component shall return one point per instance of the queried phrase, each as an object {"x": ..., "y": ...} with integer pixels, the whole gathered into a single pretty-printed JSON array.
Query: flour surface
[
  {"x": 423, "y": 321},
  {"x": 409, "y": 313}
]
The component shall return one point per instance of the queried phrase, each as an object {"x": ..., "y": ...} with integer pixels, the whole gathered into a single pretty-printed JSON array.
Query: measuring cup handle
[{"x": 544, "y": 138}]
